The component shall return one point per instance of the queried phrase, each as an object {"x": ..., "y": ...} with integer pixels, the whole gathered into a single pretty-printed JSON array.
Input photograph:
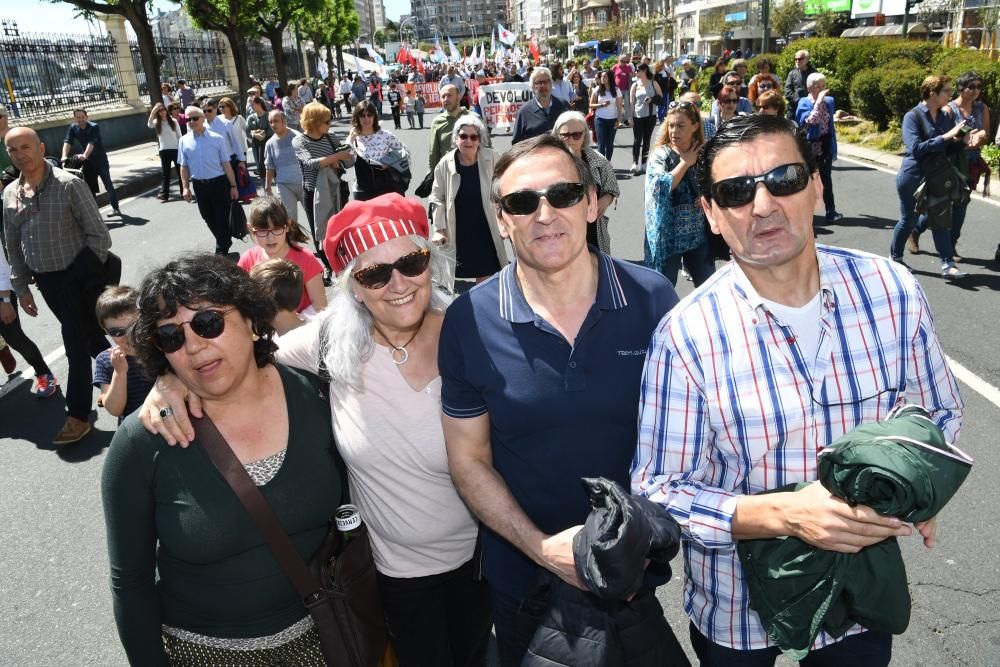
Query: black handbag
[
  {"x": 237, "y": 221},
  {"x": 424, "y": 189},
  {"x": 338, "y": 586}
]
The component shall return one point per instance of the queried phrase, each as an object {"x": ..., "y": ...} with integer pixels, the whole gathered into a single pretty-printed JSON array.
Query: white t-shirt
[
  {"x": 804, "y": 323},
  {"x": 609, "y": 112},
  {"x": 169, "y": 136},
  {"x": 391, "y": 439}
]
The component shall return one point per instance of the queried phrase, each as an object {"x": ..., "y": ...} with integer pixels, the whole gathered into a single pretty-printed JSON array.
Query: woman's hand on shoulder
[{"x": 165, "y": 410}]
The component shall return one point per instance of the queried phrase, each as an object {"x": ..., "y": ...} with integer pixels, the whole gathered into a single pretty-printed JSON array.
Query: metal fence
[
  {"x": 44, "y": 74},
  {"x": 260, "y": 59},
  {"x": 200, "y": 61}
]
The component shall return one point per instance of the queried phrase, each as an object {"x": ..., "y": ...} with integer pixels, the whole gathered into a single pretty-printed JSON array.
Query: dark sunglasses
[
  {"x": 525, "y": 202},
  {"x": 468, "y": 137},
  {"x": 208, "y": 323},
  {"x": 378, "y": 276},
  {"x": 116, "y": 332},
  {"x": 780, "y": 182},
  {"x": 764, "y": 86},
  {"x": 975, "y": 86},
  {"x": 730, "y": 100},
  {"x": 575, "y": 136},
  {"x": 681, "y": 105}
]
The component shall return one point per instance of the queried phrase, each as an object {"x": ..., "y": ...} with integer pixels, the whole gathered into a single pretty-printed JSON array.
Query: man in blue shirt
[
  {"x": 95, "y": 159},
  {"x": 204, "y": 161},
  {"x": 540, "y": 369}
]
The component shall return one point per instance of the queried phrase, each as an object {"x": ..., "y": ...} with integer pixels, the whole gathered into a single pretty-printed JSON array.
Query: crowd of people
[{"x": 461, "y": 427}]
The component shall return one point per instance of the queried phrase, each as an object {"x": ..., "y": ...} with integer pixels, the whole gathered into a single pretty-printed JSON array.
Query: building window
[{"x": 602, "y": 16}]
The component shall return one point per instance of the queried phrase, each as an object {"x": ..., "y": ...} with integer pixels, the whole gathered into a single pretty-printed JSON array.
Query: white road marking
[
  {"x": 55, "y": 355},
  {"x": 976, "y": 383}
]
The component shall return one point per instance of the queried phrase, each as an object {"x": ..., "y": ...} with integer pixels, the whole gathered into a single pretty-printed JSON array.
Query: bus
[{"x": 600, "y": 49}]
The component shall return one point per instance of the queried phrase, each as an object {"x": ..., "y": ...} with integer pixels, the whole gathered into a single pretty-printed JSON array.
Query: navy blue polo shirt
[{"x": 558, "y": 412}]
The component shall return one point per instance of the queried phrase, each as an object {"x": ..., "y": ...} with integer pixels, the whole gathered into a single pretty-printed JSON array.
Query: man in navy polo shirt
[{"x": 540, "y": 370}]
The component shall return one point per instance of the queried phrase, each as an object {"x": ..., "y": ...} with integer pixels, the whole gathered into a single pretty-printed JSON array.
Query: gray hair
[
  {"x": 277, "y": 113},
  {"x": 815, "y": 78},
  {"x": 471, "y": 119},
  {"x": 346, "y": 324},
  {"x": 537, "y": 72},
  {"x": 802, "y": 52},
  {"x": 567, "y": 117}
]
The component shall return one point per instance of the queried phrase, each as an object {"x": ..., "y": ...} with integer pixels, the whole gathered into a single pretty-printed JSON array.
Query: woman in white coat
[{"x": 465, "y": 223}]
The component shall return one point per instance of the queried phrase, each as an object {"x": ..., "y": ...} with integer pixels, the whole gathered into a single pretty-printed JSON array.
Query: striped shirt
[
  {"x": 730, "y": 407},
  {"x": 310, "y": 152}
]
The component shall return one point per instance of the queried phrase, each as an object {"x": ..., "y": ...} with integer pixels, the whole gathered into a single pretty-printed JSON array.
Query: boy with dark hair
[
  {"x": 122, "y": 380},
  {"x": 282, "y": 280}
]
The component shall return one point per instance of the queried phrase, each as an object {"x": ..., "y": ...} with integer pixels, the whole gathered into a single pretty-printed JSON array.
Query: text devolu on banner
[{"x": 500, "y": 102}]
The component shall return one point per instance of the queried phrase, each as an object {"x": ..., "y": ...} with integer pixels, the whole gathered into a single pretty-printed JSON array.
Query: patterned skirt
[{"x": 303, "y": 651}]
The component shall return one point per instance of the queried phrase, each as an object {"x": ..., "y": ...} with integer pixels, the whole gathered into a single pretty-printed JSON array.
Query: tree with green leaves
[
  {"x": 237, "y": 21},
  {"x": 831, "y": 24},
  {"x": 786, "y": 17},
  {"x": 391, "y": 30},
  {"x": 335, "y": 23},
  {"x": 275, "y": 16},
  {"x": 379, "y": 37},
  {"x": 136, "y": 12}
]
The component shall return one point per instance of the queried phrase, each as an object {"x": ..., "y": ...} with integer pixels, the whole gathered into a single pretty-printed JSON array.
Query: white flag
[{"x": 506, "y": 36}]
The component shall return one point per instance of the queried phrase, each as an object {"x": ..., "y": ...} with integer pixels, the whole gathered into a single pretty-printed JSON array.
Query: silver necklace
[{"x": 404, "y": 356}]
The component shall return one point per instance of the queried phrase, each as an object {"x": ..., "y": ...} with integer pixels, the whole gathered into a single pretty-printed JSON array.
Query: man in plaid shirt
[{"x": 778, "y": 354}]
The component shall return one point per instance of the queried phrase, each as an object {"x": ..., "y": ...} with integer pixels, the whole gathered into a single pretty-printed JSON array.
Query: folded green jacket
[{"x": 900, "y": 467}]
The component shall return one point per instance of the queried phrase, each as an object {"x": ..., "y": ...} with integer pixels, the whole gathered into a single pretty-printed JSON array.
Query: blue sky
[{"x": 42, "y": 16}]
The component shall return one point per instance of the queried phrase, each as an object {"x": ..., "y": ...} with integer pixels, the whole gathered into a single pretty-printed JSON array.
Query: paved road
[{"x": 54, "y": 602}]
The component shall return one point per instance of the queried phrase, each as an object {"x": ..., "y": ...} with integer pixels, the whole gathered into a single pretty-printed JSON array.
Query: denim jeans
[
  {"x": 957, "y": 220},
  {"x": 697, "y": 261},
  {"x": 606, "y": 130},
  {"x": 906, "y": 186},
  {"x": 869, "y": 649},
  {"x": 826, "y": 177}
]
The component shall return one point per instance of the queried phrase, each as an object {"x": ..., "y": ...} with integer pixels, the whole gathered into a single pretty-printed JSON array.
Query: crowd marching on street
[{"x": 449, "y": 368}]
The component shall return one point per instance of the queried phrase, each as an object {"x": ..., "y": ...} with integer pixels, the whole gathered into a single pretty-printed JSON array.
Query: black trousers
[
  {"x": 20, "y": 343},
  {"x": 395, "y": 117},
  {"x": 642, "y": 132},
  {"x": 91, "y": 172},
  {"x": 442, "y": 620},
  {"x": 167, "y": 157},
  {"x": 213, "y": 204},
  {"x": 258, "y": 157},
  {"x": 71, "y": 295}
]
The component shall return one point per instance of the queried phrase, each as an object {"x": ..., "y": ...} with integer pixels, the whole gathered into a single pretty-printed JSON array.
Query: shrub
[
  {"x": 900, "y": 86},
  {"x": 840, "y": 92},
  {"x": 775, "y": 58},
  {"x": 866, "y": 97},
  {"x": 922, "y": 53},
  {"x": 822, "y": 53},
  {"x": 854, "y": 56}
]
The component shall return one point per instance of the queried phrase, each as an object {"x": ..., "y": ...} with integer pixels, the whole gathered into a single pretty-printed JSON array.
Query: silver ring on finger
[{"x": 166, "y": 412}]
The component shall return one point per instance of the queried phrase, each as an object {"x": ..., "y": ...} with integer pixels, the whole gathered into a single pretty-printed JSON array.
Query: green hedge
[{"x": 866, "y": 97}]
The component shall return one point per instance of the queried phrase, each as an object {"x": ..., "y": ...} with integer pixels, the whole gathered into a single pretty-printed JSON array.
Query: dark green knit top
[{"x": 182, "y": 549}]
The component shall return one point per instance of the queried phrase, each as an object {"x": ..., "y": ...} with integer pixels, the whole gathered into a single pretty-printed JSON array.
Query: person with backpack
[{"x": 932, "y": 142}]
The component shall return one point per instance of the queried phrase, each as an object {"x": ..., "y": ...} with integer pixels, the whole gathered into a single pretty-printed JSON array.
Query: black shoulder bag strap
[{"x": 269, "y": 525}]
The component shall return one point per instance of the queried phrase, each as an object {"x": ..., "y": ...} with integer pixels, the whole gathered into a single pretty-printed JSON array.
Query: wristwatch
[{"x": 6, "y": 299}]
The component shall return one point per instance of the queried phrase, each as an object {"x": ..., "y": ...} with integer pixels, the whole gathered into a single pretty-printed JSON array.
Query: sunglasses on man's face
[
  {"x": 525, "y": 202},
  {"x": 782, "y": 181},
  {"x": 378, "y": 276},
  {"x": 208, "y": 323}
]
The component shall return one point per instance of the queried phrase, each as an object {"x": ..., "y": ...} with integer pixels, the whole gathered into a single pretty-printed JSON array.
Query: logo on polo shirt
[{"x": 632, "y": 353}]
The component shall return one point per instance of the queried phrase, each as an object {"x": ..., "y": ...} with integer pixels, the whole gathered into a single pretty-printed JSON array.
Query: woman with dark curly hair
[{"x": 193, "y": 580}]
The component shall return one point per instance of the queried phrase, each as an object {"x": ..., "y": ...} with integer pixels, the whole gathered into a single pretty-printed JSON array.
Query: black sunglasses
[
  {"x": 208, "y": 323},
  {"x": 116, "y": 332},
  {"x": 676, "y": 104},
  {"x": 729, "y": 100},
  {"x": 525, "y": 202},
  {"x": 575, "y": 136},
  {"x": 780, "y": 182},
  {"x": 378, "y": 276}
]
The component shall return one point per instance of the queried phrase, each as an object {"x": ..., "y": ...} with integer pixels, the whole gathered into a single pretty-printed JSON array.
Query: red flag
[
  {"x": 403, "y": 56},
  {"x": 533, "y": 47},
  {"x": 420, "y": 65}
]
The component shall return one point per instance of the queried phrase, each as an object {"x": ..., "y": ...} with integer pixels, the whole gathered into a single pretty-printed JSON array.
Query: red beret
[{"x": 362, "y": 225}]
